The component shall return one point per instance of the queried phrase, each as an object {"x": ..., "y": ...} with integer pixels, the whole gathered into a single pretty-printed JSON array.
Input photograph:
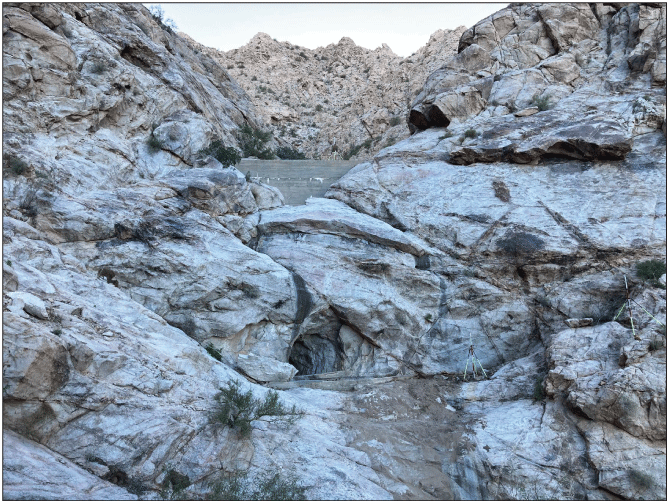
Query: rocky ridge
[
  {"x": 122, "y": 266},
  {"x": 342, "y": 91}
]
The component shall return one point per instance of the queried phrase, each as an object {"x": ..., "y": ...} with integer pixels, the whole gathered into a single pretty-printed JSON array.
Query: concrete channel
[{"x": 297, "y": 179}]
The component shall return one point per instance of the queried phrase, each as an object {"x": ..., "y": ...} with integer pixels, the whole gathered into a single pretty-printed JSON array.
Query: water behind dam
[{"x": 297, "y": 179}]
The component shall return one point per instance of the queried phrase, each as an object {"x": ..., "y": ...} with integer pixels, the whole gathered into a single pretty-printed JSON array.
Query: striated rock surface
[
  {"x": 137, "y": 284},
  {"x": 340, "y": 93}
]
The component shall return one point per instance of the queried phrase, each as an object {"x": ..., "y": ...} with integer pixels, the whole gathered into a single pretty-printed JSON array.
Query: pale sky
[{"x": 405, "y": 27}]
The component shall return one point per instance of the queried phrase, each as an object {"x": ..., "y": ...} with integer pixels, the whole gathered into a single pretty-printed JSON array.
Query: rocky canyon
[{"x": 476, "y": 310}]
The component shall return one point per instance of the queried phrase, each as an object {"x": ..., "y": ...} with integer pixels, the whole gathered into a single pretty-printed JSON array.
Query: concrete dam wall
[{"x": 297, "y": 179}]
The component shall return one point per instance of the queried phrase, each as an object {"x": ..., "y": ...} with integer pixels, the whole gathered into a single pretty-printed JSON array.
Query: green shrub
[
  {"x": 640, "y": 479},
  {"x": 651, "y": 270},
  {"x": 154, "y": 144},
  {"x": 447, "y": 135},
  {"x": 390, "y": 141},
  {"x": 471, "y": 133},
  {"x": 395, "y": 121},
  {"x": 32, "y": 202},
  {"x": 318, "y": 107},
  {"x": 253, "y": 142},
  {"x": 286, "y": 153},
  {"x": 253, "y": 79},
  {"x": 367, "y": 144},
  {"x": 354, "y": 149},
  {"x": 99, "y": 67},
  {"x": 238, "y": 409},
  {"x": 16, "y": 165},
  {"x": 215, "y": 353},
  {"x": 656, "y": 343},
  {"x": 542, "y": 103},
  {"x": 226, "y": 155},
  {"x": 165, "y": 23},
  {"x": 267, "y": 486}
]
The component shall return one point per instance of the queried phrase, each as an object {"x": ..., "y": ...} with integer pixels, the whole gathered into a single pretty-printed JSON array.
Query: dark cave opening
[{"x": 313, "y": 354}]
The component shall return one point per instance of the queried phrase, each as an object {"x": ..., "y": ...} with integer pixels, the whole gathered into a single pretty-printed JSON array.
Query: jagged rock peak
[
  {"x": 262, "y": 37},
  {"x": 346, "y": 41},
  {"x": 345, "y": 93}
]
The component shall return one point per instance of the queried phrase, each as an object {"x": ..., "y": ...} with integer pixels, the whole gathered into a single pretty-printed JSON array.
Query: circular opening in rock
[{"x": 312, "y": 354}]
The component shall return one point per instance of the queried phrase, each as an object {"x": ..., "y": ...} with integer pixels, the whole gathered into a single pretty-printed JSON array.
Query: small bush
[
  {"x": 268, "y": 486},
  {"x": 318, "y": 107},
  {"x": 286, "y": 153},
  {"x": 99, "y": 67},
  {"x": 176, "y": 480},
  {"x": 29, "y": 206},
  {"x": 656, "y": 343},
  {"x": 215, "y": 353},
  {"x": 165, "y": 23},
  {"x": 154, "y": 144},
  {"x": 446, "y": 135},
  {"x": 238, "y": 409},
  {"x": 651, "y": 270},
  {"x": 253, "y": 142},
  {"x": 640, "y": 479},
  {"x": 253, "y": 79},
  {"x": 226, "y": 155},
  {"x": 542, "y": 103},
  {"x": 395, "y": 121},
  {"x": 471, "y": 134},
  {"x": 57, "y": 332},
  {"x": 354, "y": 149},
  {"x": 16, "y": 165}
]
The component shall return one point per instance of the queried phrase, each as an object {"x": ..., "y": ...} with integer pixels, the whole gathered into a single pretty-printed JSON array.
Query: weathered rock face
[
  {"x": 95, "y": 80},
  {"x": 533, "y": 218},
  {"x": 121, "y": 267},
  {"x": 341, "y": 93},
  {"x": 543, "y": 53}
]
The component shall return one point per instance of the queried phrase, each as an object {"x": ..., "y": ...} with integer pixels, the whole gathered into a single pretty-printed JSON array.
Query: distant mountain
[{"x": 354, "y": 96}]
